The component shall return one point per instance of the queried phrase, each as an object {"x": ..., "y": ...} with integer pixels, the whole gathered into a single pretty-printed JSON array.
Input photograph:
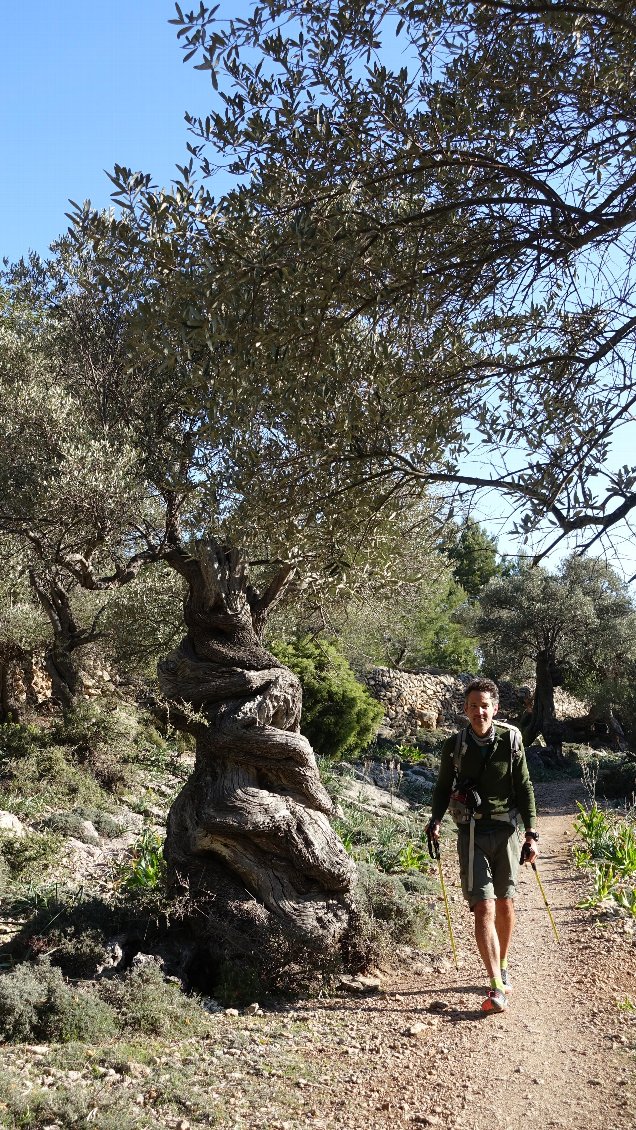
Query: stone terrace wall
[
  {"x": 414, "y": 701},
  {"x": 29, "y": 684}
]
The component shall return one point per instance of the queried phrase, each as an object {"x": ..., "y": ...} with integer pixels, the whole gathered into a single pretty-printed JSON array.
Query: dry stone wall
[
  {"x": 28, "y": 683},
  {"x": 416, "y": 701}
]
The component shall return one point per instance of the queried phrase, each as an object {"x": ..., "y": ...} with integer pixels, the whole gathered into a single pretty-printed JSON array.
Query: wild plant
[
  {"x": 609, "y": 847},
  {"x": 411, "y": 753},
  {"x": 412, "y": 857},
  {"x": 625, "y": 849},
  {"x": 144, "y": 870},
  {"x": 589, "y": 776},
  {"x": 391, "y": 776},
  {"x": 626, "y": 899},
  {"x": 604, "y": 883},
  {"x": 594, "y": 827}
]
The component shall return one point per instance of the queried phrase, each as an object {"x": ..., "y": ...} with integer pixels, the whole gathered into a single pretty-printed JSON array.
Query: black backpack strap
[{"x": 461, "y": 742}]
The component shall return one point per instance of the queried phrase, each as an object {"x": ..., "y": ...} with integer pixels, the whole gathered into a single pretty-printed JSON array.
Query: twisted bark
[
  {"x": 250, "y": 829},
  {"x": 543, "y": 719}
]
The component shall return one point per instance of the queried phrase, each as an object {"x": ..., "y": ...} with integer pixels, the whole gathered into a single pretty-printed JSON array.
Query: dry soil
[{"x": 562, "y": 1055}]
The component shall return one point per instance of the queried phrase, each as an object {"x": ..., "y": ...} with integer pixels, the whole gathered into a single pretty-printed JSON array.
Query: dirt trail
[{"x": 558, "y": 1057}]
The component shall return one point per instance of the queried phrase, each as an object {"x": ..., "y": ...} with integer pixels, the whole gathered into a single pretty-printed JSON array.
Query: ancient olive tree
[
  {"x": 134, "y": 445},
  {"x": 398, "y": 273},
  {"x": 575, "y": 626}
]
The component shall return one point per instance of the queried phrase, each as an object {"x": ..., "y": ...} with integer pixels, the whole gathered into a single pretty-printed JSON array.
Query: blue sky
[{"x": 82, "y": 87}]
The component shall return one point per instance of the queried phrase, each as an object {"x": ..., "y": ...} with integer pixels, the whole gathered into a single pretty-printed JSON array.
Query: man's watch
[{"x": 533, "y": 836}]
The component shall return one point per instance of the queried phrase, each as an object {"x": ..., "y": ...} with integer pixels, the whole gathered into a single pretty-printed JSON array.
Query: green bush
[
  {"x": 33, "y": 852},
  {"x": 340, "y": 718},
  {"x": 389, "y": 914},
  {"x": 78, "y": 954},
  {"x": 102, "y": 739},
  {"x": 66, "y": 1106},
  {"x": 93, "y": 724},
  {"x": 46, "y": 778},
  {"x": 145, "y": 1002},
  {"x": 37, "y": 1004},
  {"x": 17, "y": 740},
  {"x": 69, "y": 823}
]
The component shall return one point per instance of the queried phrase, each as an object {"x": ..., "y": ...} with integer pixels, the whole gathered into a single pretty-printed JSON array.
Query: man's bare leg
[
  {"x": 487, "y": 937},
  {"x": 504, "y": 925}
]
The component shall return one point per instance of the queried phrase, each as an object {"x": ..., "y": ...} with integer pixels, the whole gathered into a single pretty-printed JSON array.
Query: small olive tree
[{"x": 577, "y": 625}]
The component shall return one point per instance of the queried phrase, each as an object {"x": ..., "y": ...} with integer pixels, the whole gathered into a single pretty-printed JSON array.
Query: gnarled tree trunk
[
  {"x": 249, "y": 835},
  {"x": 62, "y": 655},
  {"x": 543, "y": 719}
]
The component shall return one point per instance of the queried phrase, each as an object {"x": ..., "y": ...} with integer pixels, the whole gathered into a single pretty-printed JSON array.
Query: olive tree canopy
[{"x": 454, "y": 180}]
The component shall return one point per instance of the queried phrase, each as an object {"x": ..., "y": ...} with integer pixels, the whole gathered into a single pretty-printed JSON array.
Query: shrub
[
  {"x": 45, "y": 778},
  {"x": 36, "y": 1003},
  {"x": 33, "y": 852},
  {"x": 78, "y": 953},
  {"x": 63, "y": 926},
  {"x": 94, "y": 724},
  {"x": 17, "y": 740},
  {"x": 102, "y": 737},
  {"x": 340, "y": 718},
  {"x": 70, "y": 823},
  {"x": 66, "y": 1106},
  {"x": 389, "y": 914},
  {"x": 146, "y": 1002}
]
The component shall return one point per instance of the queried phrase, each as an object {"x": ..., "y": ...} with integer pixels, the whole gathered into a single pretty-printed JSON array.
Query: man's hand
[
  {"x": 433, "y": 828},
  {"x": 530, "y": 850}
]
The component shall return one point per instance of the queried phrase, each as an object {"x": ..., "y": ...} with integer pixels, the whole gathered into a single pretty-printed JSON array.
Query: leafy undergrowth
[
  {"x": 133, "y": 1050},
  {"x": 608, "y": 852},
  {"x": 38, "y": 1004}
]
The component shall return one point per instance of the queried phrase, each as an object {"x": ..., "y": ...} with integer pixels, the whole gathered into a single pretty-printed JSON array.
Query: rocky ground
[
  {"x": 425, "y": 1054},
  {"x": 417, "y": 1052}
]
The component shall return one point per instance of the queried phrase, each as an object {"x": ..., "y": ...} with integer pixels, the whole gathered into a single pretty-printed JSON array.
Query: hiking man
[{"x": 484, "y": 783}]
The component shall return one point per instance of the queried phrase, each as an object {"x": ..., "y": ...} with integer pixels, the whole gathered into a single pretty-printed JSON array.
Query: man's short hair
[{"x": 482, "y": 686}]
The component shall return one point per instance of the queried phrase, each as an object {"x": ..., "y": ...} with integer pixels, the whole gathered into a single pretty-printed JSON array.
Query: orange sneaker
[{"x": 495, "y": 1001}]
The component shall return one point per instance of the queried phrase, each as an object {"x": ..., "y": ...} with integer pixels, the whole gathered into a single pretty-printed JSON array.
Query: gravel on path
[{"x": 424, "y": 1053}]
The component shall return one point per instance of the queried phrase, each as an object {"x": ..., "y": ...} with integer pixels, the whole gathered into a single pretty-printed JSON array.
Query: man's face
[{"x": 480, "y": 710}]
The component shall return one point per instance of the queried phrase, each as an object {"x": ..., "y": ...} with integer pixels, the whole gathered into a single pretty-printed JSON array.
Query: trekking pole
[
  {"x": 525, "y": 852},
  {"x": 433, "y": 851}
]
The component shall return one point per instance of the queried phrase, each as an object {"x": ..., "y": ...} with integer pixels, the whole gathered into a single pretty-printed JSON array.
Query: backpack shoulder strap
[
  {"x": 514, "y": 735},
  {"x": 516, "y": 743},
  {"x": 460, "y": 748}
]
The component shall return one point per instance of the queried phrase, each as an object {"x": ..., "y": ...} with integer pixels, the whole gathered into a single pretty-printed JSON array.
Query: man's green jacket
[{"x": 488, "y": 768}]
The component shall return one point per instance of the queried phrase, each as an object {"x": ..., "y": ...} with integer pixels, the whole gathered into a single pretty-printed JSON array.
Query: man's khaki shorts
[{"x": 495, "y": 865}]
